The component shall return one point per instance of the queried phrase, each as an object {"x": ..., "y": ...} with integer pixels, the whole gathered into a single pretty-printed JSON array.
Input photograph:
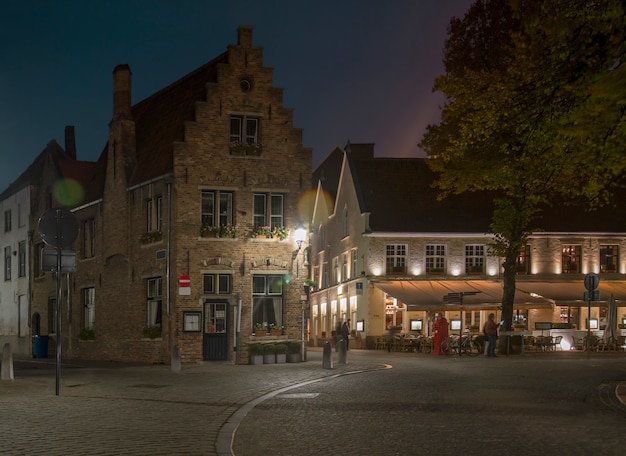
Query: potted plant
[
  {"x": 256, "y": 353},
  {"x": 519, "y": 327},
  {"x": 207, "y": 230},
  {"x": 244, "y": 148},
  {"x": 260, "y": 329},
  {"x": 87, "y": 334},
  {"x": 276, "y": 330},
  {"x": 309, "y": 284},
  {"x": 262, "y": 232},
  {"x": 229, "y": 231},
  {"x": 269, "y": 354},
  {"x": 280, "y": 233},
  {"x": 621, "y": 326},
  {"x": 475, "y": 270},
  {"x": 151, "y": 237},
  {"x": 152, "y": 332},
  {"x": 323, "y": 334},
  {"x": 294, "y": 351},
  {"x": 281, "y": 353}
]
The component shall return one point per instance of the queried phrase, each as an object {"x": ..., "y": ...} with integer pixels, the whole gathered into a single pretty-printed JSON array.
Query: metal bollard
[
  {"x": 175, "y": 364},
  {"x": 327, "y": 358},
  {"x": 7, "y": 363},
  {"x": 343, "y": 352}
]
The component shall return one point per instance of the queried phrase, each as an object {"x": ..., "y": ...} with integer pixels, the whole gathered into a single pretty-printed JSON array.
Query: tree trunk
[{"x": 508, "y": 295}]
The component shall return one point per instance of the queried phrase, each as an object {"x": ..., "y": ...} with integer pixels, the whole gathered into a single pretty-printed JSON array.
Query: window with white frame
[
  {"x": 267, "y": 299},
  {"x": 154, "y": 214},
  {"x": 435, "y": 258},
  {"x": 217, "y": 208},
  {"x": 571, "y": 258},
  {"x": 354, "y": 260},
  {"x": 346, "y": 222},
  {"x": 21, "y": 259},
  {"x": 474, "y": 258},
  {"x": 217, "y": 283},
  {"x": 154, "y": 296},
  {"x": 344, "y": 266},
  {"x": 609, "y": 258},
  {"x": 325, "y": 275},
  {"x": 336, "y": 278},
  {"x": 244, "y": 129},
  {"x": 396, "y": 259},
  {"x": 89, "y": 303},
  {"x": 269, "y": 210}
]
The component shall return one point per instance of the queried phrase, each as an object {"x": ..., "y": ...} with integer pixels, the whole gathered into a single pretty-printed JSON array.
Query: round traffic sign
[
  {"x": 58, "y": 227},
  {"x": 592, "y": 281},
  {"x": 184, "y": 281}
]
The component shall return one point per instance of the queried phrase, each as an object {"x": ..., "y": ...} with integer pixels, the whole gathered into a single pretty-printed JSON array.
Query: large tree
[{"x": 534, "y": 112}]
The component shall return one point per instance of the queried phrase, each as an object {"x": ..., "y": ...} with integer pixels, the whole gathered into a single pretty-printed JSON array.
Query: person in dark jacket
[
  {"x": 345, "y": 333},
  {"x": 491, "y": 330}
]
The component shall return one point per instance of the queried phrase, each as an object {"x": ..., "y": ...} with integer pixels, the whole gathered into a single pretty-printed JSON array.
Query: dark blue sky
[{"x": 358, "y": 70}]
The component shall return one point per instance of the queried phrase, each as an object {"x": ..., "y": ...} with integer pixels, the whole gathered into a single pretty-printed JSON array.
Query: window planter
[
  {"x": 151, "y": 237},
  {"x": 397, "y": 270}
]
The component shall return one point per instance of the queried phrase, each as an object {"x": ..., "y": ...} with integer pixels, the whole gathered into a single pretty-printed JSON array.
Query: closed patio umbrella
[{"x": 610, "y": 332}]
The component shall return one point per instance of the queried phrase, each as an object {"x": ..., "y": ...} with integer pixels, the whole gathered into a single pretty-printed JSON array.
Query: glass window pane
[
  {"x": 235, "y": 129},
  {"x": 208, "y": 208}
]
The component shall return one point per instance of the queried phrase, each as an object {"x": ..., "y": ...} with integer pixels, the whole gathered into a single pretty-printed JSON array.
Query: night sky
[{"x": 351, "y": 70}]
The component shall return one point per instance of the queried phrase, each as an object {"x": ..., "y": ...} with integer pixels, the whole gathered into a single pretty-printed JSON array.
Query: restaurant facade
[{"x": 390, "y": 257}]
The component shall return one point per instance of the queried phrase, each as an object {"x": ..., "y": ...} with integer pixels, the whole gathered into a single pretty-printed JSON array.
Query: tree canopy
[{"x": 535, "y": 111}]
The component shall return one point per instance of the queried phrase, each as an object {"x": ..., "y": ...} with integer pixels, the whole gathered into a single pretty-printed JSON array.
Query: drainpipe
[
  {"x": 237, "y": 327},
  {"x": 168, "y": 241}
]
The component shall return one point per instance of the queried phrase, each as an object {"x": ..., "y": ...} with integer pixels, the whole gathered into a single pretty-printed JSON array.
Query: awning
[{"x": 487, "y": 294}]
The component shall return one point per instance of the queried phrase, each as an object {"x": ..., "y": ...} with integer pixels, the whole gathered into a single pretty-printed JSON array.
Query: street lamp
[{"x": 299, "y": 235}]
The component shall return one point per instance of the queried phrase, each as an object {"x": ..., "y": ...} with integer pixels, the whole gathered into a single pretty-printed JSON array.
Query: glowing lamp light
[{"x": 299, "y": 235}]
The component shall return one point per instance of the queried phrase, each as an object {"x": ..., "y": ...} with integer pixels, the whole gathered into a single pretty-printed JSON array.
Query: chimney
[
  {"x": 70, "y": 142},
  {"x": 244, "y": 36},
  {"x": 121, "y": 91}
]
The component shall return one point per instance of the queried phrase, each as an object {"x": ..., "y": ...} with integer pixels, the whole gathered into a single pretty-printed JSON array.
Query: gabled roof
[
  {"x": 399, "y": 196},
  {"x": 160, "y": 120},
  {"x": 32, "y": 174}
]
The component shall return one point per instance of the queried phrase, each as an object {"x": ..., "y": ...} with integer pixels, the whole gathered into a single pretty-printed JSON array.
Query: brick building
[{"x": 187, "y": 177}]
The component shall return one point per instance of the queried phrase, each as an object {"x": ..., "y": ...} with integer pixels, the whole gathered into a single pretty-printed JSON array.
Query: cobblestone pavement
[{"x": 112, "y": 408}]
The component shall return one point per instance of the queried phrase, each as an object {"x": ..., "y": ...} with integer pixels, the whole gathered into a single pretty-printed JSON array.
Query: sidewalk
[{"x": 138, "y": 409}]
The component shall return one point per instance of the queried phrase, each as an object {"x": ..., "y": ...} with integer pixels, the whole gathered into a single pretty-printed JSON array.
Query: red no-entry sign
[{"x": 184, "y": 281}]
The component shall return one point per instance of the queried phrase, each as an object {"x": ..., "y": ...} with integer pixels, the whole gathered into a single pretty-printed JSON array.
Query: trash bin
[{"x": 40, "y": 346}]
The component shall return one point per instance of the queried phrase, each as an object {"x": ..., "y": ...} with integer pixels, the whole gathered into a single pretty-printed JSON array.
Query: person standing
[
  {"x": 491, "y": 330},
  {"x": 345, "y": 333}
]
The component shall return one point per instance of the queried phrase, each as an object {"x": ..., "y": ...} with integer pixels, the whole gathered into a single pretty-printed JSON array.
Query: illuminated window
[
  {"x": 474, "y": 259},
  {"x": 396, "y": 259},
  {"x": 523, "y": 261},
  {"x": 435, "y": 258},
  {"x": 609, "y": 258},
  {"x": 571, "y": 259},
  {"x": 267, "y": 299}
]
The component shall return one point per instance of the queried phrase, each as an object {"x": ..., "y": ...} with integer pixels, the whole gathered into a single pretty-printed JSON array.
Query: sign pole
[
  {"x": 592, "y": 280},
  {"x": 58, "y": 303}
]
